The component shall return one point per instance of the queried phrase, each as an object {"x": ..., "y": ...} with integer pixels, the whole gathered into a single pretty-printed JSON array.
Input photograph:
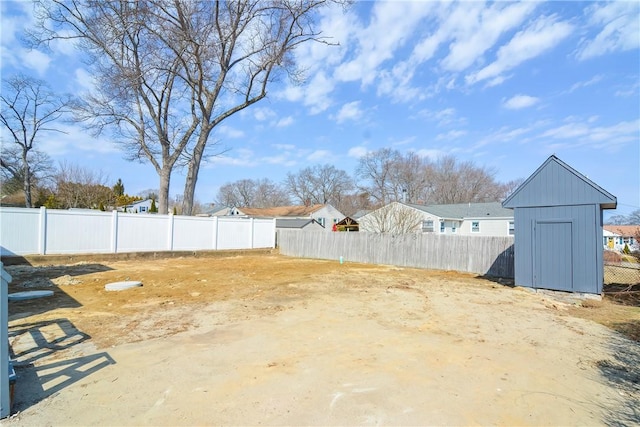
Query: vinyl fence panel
[
  {"x": 48, "y": 231},
  {"x": 192, "y": 233},
  {"x": 474, "y": 254},
  {"x": 19, "y": 231},
  {"x": 69, "y": 232}
]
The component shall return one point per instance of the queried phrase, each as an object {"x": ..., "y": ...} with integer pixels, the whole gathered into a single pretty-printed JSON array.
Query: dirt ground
[{"x": 263, "y": 339}]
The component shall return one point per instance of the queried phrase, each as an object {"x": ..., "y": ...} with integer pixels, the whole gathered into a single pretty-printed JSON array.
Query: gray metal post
[{"x": 5, "y": 402}]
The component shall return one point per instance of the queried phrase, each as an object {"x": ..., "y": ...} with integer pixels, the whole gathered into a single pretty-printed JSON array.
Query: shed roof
[
  {"x": 294, "y": 222},
  {"x": 466, "y": 210},
  {"x": 555, "y": 183}
]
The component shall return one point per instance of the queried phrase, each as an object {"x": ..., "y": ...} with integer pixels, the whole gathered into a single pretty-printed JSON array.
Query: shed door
[{"x": 553, "y": 262}]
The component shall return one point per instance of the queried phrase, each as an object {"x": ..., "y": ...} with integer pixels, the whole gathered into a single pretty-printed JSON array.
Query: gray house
[{"x": 558, "y": 223}]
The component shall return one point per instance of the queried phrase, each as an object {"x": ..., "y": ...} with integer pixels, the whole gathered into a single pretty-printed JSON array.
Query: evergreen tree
[{"x": 153, "y": 208}]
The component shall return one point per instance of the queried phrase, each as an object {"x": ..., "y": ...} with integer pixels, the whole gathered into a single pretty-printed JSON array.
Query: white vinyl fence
[
  {"x": 48, "y": 231},
  {"x": 492, "y": 256},
  {"x": 5, "y": 401}
]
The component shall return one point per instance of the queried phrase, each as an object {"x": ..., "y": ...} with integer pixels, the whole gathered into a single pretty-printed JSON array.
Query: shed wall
[{"x": 586, "y": 251}]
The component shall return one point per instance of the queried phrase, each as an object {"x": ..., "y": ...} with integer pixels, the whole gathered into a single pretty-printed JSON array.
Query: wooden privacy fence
[
  {"x": 48, "y": 231},
  {"x": 491, "y": 256}
]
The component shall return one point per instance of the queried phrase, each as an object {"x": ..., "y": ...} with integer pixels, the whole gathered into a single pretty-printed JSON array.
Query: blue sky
[{"x": 502, "y": 84}]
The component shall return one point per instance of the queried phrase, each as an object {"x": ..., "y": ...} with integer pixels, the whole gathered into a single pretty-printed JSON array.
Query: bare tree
[
  {"x": 261, "y": 193},
  {"x": 376, "y": 169},
  {"x": 319, "y": 184},
  {"x": 28, "y": 110},
  {"x": 77, "y": 187},
  {"x": 167, "y": 72},
  {"x": 394, "y": 218},
  {"x": 464, "y": 182}
]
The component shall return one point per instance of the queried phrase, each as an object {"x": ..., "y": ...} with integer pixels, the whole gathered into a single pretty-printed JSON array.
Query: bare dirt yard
[{"x": 263, "y": 339}]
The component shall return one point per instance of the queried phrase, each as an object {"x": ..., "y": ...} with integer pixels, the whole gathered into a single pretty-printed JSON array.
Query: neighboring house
[
  {"x": 482, "y": 219},
  {"x": 325, "y": 215},
  {"x": 142, "y": 206},
  {"x": 216, "y": 211},
  {"x": 306, "y": 224},
  {"x": 617, "y": 236}
]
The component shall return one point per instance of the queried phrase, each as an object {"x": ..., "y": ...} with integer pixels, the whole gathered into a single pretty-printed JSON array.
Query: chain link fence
[{"x": 622, "y": 277}]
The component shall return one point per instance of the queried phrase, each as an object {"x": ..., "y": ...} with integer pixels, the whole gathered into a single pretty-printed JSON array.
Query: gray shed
[{"x": 558, "y": 229}]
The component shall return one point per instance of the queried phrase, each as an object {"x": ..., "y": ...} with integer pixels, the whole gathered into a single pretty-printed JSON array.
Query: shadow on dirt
[
  {"x": 623, "y": 372},
  {"x": 37, "y": 351},
  {"x": 26, "y": 277}
]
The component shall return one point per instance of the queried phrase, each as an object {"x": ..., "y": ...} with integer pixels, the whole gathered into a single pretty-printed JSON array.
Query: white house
[
  {"x": 482, "y": 219},
  {"x": 617, "y": 236},
  {"x": 325, "y": 215},
  {"x": 142, "y": 206}
]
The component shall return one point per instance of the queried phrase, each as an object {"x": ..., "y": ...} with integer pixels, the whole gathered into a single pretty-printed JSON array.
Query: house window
[
  {"x": 475, "y": 226},
  {"x": 512, "y": 228},
  {"x": 321, "y": 221},
  {"x": 427, "y": 226},
  {"x": 453, "y": 227},
  {"x": 442, "y": 226},
  {"x": 143, "y": 208}
]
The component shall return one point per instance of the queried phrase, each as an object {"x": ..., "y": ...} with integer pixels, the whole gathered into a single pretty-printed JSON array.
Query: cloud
[
  {"x": 349, "y": 111},
  {"x": 518, "y": 102},
  {"x": 391, "y": 26},
  {"x": 320, "y": 155},
  {"x": 431, "y": 153},
  {"x": 283, "y": 146},
  {"x": 84, "y": 79},
  {"x": 73, "y": 140},
  {"x": 443, "y": 118},
  {"x": 451, "y": 135},
  {"x": 475, "y": 29},
  {"x": 357, "y": 152},
  {"x": 584, "y": 133},
  {"x": 243, "y": 157},
  {"x": 262, "y": 113},
  {"x": 578, "y": 85},
  {"x": 618, "y": 26},
  {"x": 229, "y": 132},
  {"x": 542, "y": 35},
  {"x": 284, "y": 122}
]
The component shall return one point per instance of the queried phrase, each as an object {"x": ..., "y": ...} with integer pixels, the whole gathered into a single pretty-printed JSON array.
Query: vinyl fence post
[
  {"x": 273, "y": 233},
  {"x": 42, "y": 231},
  {"x": 5, "y": 400},
  {"x": 215, "y": 232},
  {"x": 171, "y": 224},
  {"x": 114, "y": 231},
  {"x": 251, "y": 231}
]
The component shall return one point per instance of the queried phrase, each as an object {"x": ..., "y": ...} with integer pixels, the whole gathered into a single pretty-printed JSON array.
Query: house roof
[
  {"x": 216, "y": 210},
  {"x": 294, "y": 222},
  {"x": 361, "y": 213},
  {"x": 555, "y": 183},
  {"x": 623, "y": 230},
  {"x": 466, "y": 210},
  {"x": 281, "y": 211}
]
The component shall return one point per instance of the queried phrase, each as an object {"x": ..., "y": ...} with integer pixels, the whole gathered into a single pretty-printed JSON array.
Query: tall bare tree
[
  {"x": 464, "y": 182},
  {"x": 319, "y": 184},
  {"x": 29, "y": 109},
  {"x": 261, "y": 193},
  {"x": 167, "y": 72}
]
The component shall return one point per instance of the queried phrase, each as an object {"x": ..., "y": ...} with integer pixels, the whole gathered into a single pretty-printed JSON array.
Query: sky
[{"x": 502, "y": 84}]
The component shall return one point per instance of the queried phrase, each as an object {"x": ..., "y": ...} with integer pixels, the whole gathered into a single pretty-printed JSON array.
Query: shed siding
[
  {"x": 586, "y": 255},
  {"x": 554, "y": 185}
]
